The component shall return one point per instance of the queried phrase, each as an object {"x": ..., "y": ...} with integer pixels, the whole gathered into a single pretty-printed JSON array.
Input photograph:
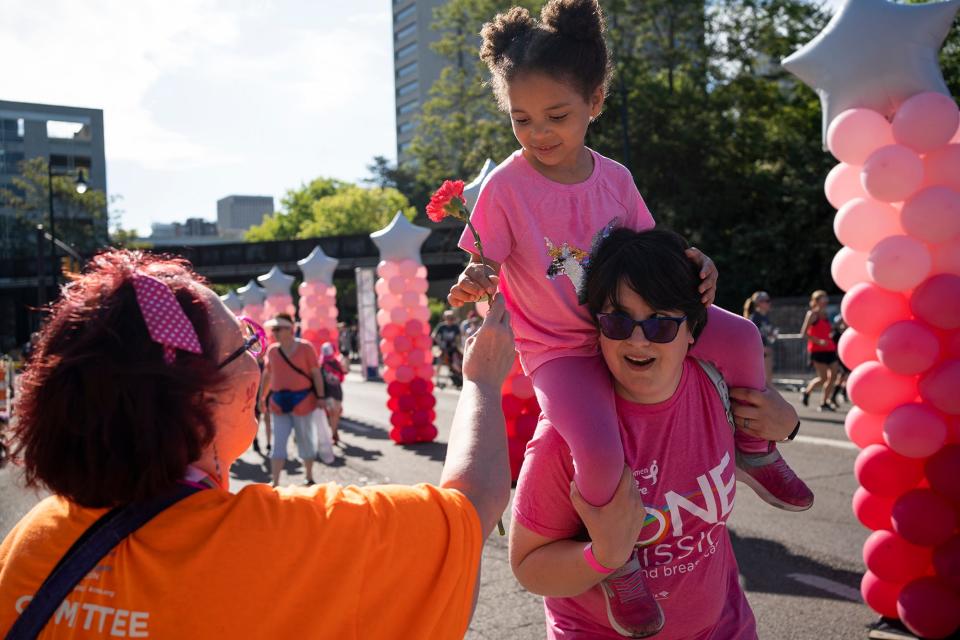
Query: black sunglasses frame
[{"x": 650, "y": 326}]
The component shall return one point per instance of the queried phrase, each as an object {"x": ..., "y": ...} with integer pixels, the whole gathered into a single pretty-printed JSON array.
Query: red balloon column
[
  {"x": 253, "y": 297},
  {"x": 521, "y": 410},
  {"x": 403, "y": 317},
  {"x": 318, "y": 299},
  {"x": 897, "y": 191}
]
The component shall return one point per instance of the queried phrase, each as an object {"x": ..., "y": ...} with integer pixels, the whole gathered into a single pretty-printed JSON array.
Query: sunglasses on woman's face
[
  {"x": 254, "y": 341},
  {"x": 620, "y": 326}
]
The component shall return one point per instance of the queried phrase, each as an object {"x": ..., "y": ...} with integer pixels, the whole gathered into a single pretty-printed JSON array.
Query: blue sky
[{"x": 207, "y": 98}]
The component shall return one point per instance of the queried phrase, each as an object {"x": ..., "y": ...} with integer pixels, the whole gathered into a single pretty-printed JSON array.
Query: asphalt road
[{"x": 801, "y": 571}]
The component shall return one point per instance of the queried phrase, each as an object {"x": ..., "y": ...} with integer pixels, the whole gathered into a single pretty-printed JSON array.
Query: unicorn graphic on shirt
[{"x": 574, "y": 262}]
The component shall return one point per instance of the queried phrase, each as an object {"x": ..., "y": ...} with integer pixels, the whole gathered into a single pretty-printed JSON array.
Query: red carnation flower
[{"x": 448, "y": 201}]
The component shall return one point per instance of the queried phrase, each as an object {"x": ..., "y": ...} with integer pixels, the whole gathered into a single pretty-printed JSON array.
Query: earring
[{"x": 216, "y": 462}]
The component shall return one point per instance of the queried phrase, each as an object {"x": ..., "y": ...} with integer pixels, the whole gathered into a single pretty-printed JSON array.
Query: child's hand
[
  {"x": 614, "y": 527},
  {"x": 765, "y": 414},
  {"x": 476, "y": 282},
  {"x": 708, "y": 273}
]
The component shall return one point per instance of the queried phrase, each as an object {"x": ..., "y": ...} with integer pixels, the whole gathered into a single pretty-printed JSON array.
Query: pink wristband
[{"x": 592, "y": 560}]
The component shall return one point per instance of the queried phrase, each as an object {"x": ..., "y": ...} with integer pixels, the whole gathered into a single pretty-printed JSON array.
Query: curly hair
[
  {"x": 102, "y": 419},
  {"x": 567, "y": 44}
]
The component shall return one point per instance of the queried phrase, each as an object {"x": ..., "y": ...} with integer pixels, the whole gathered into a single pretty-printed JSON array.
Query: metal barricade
[{"x": 791, "y": 366}]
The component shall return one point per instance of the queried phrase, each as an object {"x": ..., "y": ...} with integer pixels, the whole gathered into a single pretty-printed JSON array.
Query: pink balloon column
[
  {"x": 900, "y": 268},
  {"x": 318, "y": 299},
  {"x": 252, "y": 296},
  {"x": 276, "y": 285},
  {"x": 521, "y": 410},
  {"x": 403, "y": 318}
]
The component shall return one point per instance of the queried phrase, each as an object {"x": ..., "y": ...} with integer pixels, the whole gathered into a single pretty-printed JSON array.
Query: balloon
[
  {"x": 522, "y": 387},
  {"x": 397, "y": 389},
  {"x": 924, "y": 518},
  {"x": 422, "y": 342},
  {"x": 941, "y": 387},
  {"x": 401, "y": 419},
  {"x": 894, "y": 559},
  {"x": 883, "y": 472},
  {"x": 843, "y": 184},
  {"x": 899, "y": 263},
  {"x": 424, "y": 371},
  {"x": 402, "y": 343},
  {"x": 526, "y": 425},
  {"x": 410, "y": 298},
  {"x": 855, "y": 348},
  {"x": 876, "y": 389},
  {"x": 932, "y": 215},
  {"x": 870, "y": 309},
  {"x": 937, "y": 301},
  {"x": 880, "y": 595},
  {"x": 861, "y": 223},
  {"x": 393, "y": 360},
  {"x": 381, "y": 287},
  {"x": 396, "y": 285},
  {"x": 383, "y": 318},
  {"x": 863, "y": 429},
  {"x": 390, "y": 331},
  {"x": 872, "y": 511},
  {"x": 416, "y": 357},
  {"x": 404, "y": 374},
  {"x": 946, "y": 562},
  {"x": 926, "y": 121},
  {"x": 929, "y": 608},
  {"x": 415, "y": 328},
  {"x": 942, "y": 167},
  {"x": 406, "y": 403},
  {"x": 389, "y": 375},
  {"x": 427, "y": 434},
  {"x": 400, "y": 240},
  {"x": 425, "y": 401},
  {"x": 419, "y": 285},
  {"x": 892, "y": 173},
  {"x": 398, "y": 315},
  {"x": 421, "y": 313},
  {"x": 422, "y": 272},
  {"x": 408, "y": 268},
  {"x": 387, "y": 269},
  {"x": 512, "y": 406},
  {"x": 946, "y": 258},
  {"x": 848, "y": 268},
  {"x": 941, "y": 472},
  {"x": 856, "y": 133},
  {"x": 332, "y": 312},
  {"x": 908, "y": 348},
  {"x": 421, "y": 386},
  {"x": 914, "y": 430}
]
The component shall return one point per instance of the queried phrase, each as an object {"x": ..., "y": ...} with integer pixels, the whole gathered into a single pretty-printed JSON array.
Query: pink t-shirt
[
  {"x": 682, "y": 456},
  {"x": 540, "y": 231}
]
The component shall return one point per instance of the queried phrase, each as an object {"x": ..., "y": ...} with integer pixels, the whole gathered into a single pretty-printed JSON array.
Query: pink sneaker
[
  {"x": 631, "y": 608},
  {"x": 772, "y": 479}
]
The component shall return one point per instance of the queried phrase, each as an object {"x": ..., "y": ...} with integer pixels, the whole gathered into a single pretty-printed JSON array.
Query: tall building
[
  {"x": 236, "y": 214},
  {"x": 193, "y": 231},
  {"x": 416, "y": 66},
  {"x": 68, "y": 138}
]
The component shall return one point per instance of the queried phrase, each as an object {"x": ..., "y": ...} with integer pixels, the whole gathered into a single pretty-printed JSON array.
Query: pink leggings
[{"x": 576, "y": 394}]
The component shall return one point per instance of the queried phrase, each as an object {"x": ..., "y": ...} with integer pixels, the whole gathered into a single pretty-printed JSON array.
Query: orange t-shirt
[
  {"x": 319, "y": 562},
  {"x": 282, "y": 376}
]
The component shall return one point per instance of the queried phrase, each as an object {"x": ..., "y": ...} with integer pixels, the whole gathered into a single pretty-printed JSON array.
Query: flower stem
[{"x": 483, "y": 261}]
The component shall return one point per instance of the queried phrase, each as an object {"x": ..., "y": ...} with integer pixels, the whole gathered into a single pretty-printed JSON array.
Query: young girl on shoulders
[{"x": 539, "y": 213}]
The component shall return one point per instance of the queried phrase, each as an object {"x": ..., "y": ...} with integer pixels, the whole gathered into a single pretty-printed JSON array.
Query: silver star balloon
[
  {"x": 472, "y": 190},
  {"x": 400, "y": 240},
  {"x": 318, "y": 267},
  {"x": 276, "y": 282},
  {"x": 875, "y": 54},
  {"x": 232, "y": 301},
  {"x": 251, "y": 294}
]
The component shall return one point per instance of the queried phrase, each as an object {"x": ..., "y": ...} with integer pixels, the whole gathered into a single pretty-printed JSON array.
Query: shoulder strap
[
  {"x": 296, "y": 368},
  {"x": 95, "y": 543},
  {"x": 720, "y": 385}
]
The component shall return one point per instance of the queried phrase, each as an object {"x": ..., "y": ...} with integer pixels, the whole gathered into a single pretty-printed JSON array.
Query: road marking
[
  {"x": 830, "y": 586},
  {"x": 829, "y": 442}
]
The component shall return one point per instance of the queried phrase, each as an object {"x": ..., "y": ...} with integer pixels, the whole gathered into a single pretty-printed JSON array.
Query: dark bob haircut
[
  {"x": 102, "y": 419},
  {"x": 654, "y": 265}
]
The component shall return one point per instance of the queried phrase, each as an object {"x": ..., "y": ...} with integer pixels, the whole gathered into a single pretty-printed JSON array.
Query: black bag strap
[
  {"x": 298, "y": 370},
  {"x": 91, "y": 547}
]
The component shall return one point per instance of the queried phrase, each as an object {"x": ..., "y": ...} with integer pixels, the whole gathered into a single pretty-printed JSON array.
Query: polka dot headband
[{"x": 167, "y": 323}]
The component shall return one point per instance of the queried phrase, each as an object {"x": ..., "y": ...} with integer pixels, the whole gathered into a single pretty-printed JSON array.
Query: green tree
[
  {"x": 296, "y": 211},
  {"x": 353, "y": 210},
  {"x": 80, "y": 219}
]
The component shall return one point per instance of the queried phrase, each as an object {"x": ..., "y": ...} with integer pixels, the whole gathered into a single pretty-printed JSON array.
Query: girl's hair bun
[
  {"x": 502, "y": 31},
  {"x": 578, "y": 19}
]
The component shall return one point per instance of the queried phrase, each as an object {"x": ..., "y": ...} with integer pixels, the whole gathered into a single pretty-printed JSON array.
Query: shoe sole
[
  {"x": 616, "y": 627},
  {"x": 765, "y": 494}
]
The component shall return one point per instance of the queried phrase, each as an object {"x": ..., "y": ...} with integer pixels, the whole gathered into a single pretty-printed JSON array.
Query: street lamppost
[{"x": 81, "y": 187}]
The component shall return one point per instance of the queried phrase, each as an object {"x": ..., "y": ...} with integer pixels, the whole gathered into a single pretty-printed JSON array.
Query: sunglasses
[
  {"x": 620, "y": 326},
  {"x": 254, "y": 341}
]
